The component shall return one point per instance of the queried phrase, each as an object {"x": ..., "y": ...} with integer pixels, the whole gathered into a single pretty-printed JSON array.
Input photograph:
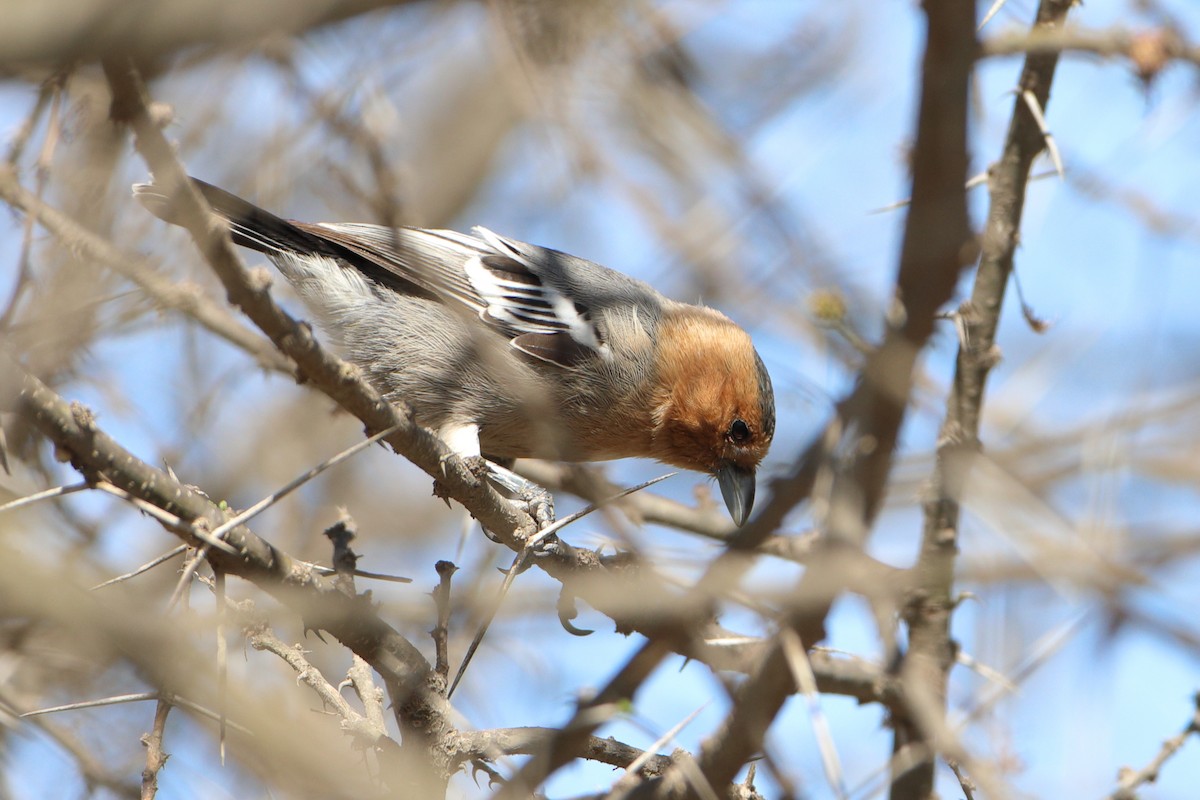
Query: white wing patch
[{"x": 515, "y": 297}]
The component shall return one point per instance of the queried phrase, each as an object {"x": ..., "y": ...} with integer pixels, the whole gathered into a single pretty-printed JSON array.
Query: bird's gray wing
[{"x": 545, "y": 301}]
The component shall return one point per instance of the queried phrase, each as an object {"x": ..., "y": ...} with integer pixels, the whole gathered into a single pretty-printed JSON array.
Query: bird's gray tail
[{"x": 249, "y": 225}]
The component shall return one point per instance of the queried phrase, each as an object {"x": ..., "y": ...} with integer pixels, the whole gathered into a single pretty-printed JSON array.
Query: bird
[{"x": 508, "y": 350}]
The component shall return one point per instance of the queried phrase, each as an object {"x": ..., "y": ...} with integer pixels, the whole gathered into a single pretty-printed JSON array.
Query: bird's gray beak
[{"x": 737, "y": 487}]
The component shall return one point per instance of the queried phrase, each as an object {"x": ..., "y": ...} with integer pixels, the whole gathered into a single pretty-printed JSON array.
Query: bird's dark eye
[{"x": 739, "y": 432}]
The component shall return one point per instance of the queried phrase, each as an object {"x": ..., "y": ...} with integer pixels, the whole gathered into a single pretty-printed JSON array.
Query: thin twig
[
  {"x": 261, "y": 637},
  {"x": 631, "y": 772},
  {"x": 164, "y": 517},
  {"x": 370, "y": 695},
  {"x": 149, "y": 565},
  {"x": 222, "y": 659},
  {"x": 802, "y": 672},
  {"x": 156, "y": 757},
  {"x": 45, "y": 494},
  {"x": 964, "y": 781},
  {"x": 441, "y": 631},
  {"x": 139, "y": 697},
  {"x": 262, "y": 505},
  {"x": 1131, "y": 779},
  {"x": 1150, "y": 50}
]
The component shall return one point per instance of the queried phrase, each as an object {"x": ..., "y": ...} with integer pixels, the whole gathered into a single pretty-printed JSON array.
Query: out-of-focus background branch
[{"x": 1033, "y": 634}]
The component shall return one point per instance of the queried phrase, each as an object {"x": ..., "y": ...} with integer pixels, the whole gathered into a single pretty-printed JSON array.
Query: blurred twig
[
  {"x": 185, "y": 298},
  {"x": 1131, "y": 779},
  {"x": 1149, "y": 50},
  {"x": 60, "y": 31}
]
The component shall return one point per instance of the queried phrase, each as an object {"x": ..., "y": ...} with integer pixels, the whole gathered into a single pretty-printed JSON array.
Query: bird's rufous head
[{"x": 714, "y": 409}]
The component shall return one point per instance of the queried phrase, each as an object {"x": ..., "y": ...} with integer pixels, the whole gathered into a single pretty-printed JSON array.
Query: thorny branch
[
  {"x": 356, "y": 624},
  {"x": 931, "y": 653},
  {"x": 322, "y": 605},
  {"x": 156, "y": 757}
]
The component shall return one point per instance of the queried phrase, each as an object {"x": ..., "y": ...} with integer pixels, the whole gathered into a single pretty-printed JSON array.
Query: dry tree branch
[
  {"x": 370, "y": 695},
  {"x": 489, "y": 744},
  {"x": 1130, "y": 779},
  {"x": 61, "y": 31},
  {"x": 367, "y": 731},
  {"x": 355, "y": 623},
  {"x": 1150, "y": 51},
  {"x": 441, "y": 630},
  {"x": 927, "y": 665},
  {"x": 45, "y": 494}
]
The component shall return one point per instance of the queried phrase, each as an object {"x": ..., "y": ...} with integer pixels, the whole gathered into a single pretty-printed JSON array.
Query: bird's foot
[{"x": 534, "y": 500}]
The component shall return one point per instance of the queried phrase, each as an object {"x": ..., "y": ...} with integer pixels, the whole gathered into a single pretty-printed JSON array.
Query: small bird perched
[{"x": 509, "y": 350}]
